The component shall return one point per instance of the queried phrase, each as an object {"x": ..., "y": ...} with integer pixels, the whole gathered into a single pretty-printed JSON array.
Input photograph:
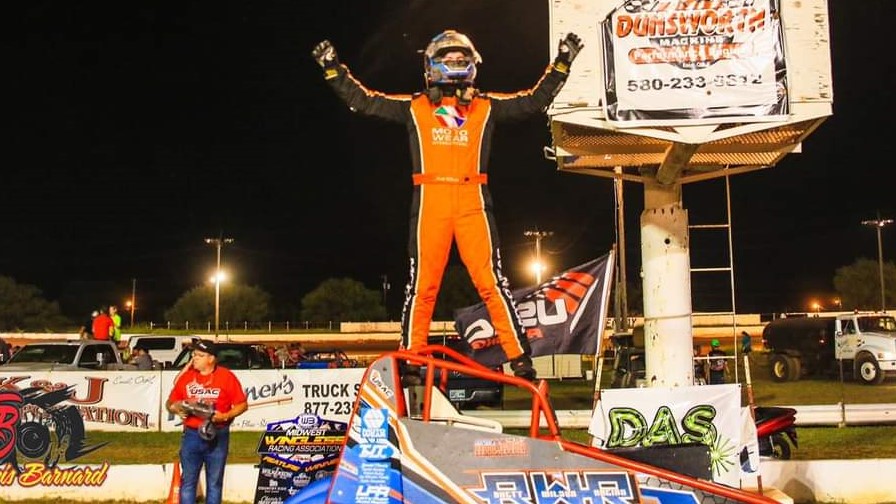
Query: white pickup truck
[{"x": 73, "y": 355}]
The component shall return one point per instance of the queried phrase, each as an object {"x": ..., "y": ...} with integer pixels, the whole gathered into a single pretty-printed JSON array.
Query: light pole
[
  {"x": 218, "y": 243},
  {"x": 879, "y": 223},
  {"x": 538, "y": 266},
  {"x": 386, "y": 287},
  {"x": 132, "y": 303}
]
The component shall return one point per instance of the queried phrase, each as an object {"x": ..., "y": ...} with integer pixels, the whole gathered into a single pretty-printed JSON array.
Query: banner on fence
[
  {"x": 133, "y": 401},
  {"x": 643, "y": 417}
]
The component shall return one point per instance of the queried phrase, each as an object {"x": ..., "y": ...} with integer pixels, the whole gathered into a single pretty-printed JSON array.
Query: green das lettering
[
  {"x": 698, "y": 425},
  {"x": 629, "y": 428},
  {"x": 663, "y": 431}
]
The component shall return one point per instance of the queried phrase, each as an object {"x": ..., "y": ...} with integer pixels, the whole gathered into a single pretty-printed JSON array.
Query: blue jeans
[{"x": 194, "y": 452}]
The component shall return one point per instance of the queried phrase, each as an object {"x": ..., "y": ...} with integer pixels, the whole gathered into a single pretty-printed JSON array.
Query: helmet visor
[
  {"x": 451, "y": 59},
  {"x": 453, "y": 67}
]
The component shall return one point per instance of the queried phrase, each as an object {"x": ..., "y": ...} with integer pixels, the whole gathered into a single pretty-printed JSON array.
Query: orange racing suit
[{"x": 450, "y": 133}]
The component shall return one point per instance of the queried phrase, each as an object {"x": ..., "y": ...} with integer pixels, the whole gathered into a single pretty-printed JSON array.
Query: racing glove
[
  {"x": 325, "y": 55},
  {"x": 567, "y": 51}
]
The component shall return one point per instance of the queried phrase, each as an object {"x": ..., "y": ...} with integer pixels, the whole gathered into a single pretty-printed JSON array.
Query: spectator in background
[
  {"x": 116, "y": 334},
  {"x": 699, "y": 367},
  {"x": 5, "y": 351},
  {"x": 279, "y": 355},
  {"x": 746, "y": 343},
  {"x": 295, "y": 354},
  {"x": 102, "y": 326},
  {"x": 86, "y": 331},
  {"x": 116, "y": 324},
  {"x": 718, "y": 364},
  {"x": 141, "y": 358}
]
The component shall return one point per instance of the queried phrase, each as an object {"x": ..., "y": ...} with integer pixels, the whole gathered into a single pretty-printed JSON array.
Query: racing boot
[
  {"x": 522, "y": 367},
  {"x": 411, "y": 375}
]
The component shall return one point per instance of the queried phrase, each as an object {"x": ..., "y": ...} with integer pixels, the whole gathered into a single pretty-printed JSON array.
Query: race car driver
[{"x": 450, "y": 125}]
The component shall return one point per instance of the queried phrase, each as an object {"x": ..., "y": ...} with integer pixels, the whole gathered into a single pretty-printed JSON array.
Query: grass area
[
  {"x": 161, "y": 448},
  {"x": 812, "y": 390}
]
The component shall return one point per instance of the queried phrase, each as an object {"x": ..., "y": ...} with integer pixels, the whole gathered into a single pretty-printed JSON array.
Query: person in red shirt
[
  {"x": 205, "y": 441},
  {"x": 102, "y": 326}
]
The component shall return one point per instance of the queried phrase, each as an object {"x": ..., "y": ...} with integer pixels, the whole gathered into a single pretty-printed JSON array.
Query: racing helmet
[{"x": 439, "y": 72}]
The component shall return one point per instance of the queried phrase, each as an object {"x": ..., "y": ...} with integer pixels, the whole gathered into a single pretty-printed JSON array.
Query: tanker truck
[{"x": 862, "y": 345}]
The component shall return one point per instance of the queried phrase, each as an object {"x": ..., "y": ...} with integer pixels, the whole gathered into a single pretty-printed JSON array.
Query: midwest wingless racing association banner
[
  {"x": 694, "y": 62},
  {"x": 565, "y": 315}
]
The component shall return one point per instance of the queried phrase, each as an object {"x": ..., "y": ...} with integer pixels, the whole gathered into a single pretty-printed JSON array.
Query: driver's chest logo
[{"x": 451, "y": 120}]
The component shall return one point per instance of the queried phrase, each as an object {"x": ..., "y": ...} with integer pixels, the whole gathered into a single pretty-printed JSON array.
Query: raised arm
[
  {"x": 359, "y": 99},
  {"x": 518, "y": 105}
]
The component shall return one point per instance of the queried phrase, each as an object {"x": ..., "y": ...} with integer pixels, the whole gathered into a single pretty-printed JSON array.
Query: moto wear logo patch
[
  {"x": 449, "y": 116},
  {"x": 451, "y": 133}
]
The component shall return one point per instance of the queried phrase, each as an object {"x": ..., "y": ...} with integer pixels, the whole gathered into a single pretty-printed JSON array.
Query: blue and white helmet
[{"x": 455, "y": 72}]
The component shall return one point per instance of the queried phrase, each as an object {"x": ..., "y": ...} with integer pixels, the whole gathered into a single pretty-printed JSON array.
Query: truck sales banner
[
  {"x": 644, "y": 417},
  {"x": 694, "y": 62},
  {"x": 565, "y": 315}
]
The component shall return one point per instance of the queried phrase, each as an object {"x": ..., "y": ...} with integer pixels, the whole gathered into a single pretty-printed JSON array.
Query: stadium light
[
  {"x": 878, "y": 224},
  {"x": 218, "y": 277}
]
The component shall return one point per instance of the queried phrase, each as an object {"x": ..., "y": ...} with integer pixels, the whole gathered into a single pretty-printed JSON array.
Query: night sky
[{"x": 138, "y": 129}]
